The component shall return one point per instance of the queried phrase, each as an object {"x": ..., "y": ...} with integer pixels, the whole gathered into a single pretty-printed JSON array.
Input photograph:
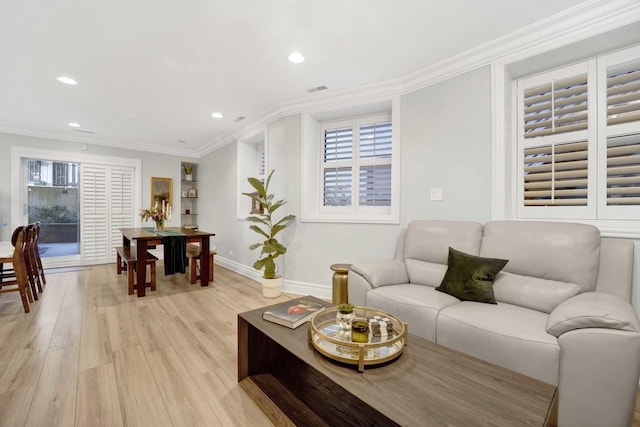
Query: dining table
[{"x": 144, "y": 237}]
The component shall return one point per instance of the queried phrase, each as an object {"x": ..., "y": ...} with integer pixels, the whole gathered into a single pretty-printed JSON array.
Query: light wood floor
[{"x": 90, "y": 355}]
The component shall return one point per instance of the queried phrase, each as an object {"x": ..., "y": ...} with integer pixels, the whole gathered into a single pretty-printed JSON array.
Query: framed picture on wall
[
  {"x": 161, "y": 190},
  {"x": 192, "y": 192}
]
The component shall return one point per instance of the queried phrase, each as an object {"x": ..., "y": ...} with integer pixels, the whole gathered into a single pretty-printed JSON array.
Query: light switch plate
[{"x": 436, "y": 194}]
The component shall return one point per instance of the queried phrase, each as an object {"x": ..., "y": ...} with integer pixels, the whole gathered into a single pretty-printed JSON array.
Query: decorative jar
[{"x": 360, "y": 331}]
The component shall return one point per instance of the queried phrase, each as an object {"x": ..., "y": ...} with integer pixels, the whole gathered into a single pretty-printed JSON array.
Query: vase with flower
[{"x": 159, "y": 214}]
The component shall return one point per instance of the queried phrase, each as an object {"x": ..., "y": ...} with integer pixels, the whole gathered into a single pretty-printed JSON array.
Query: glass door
[{"x": 53, "y": 201}]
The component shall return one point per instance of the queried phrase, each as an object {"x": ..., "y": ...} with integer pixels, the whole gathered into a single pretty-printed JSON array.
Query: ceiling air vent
[
  {"x": 317, "y": 89},
  {"x": 83, "y": 131},
  {"x": 239, "y": 119}
]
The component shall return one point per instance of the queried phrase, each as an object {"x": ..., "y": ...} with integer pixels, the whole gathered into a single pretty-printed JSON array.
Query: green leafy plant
[
  {"x": 188, "y": 168},
  {"x": 346, "y": 308},
  {"x": 53, "y": 215},
  {"x": 266, "y": 226}
]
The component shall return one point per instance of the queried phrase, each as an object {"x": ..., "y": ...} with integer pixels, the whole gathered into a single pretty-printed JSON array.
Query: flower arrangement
[{"x": 158, "y": 213}]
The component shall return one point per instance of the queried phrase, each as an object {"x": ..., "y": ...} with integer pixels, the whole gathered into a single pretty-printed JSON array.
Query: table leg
[
  {"x": 204, "y": 261},
  {"x": 141, "y": 269}
]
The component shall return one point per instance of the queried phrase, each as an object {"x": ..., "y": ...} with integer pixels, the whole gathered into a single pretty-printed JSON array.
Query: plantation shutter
[
  {"x": 556, "y": 175},
  {"x": 106, "y": 205},
  {"x": 556, "y": 141},
  {"x": 623, "y": 134},
  {"x": 337, "y": 169},
  {"x": 623, "y": 95},
  {"x": 337, "y": 186},
  {"x": 262, "y": 161},
  {"x": 375, "y": 164},
  {"x": 94, "y": 212},
  {"x": 556, "y": 107},
  {"x": 121, "y": 204}
]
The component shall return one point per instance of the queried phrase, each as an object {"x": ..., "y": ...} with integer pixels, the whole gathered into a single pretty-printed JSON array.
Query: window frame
[
  {"x": 589, "y": 135},
  {"x": 505, "y": 128},
  {"x": 312, "y": 158},
  {"x": 354, "y": 163}
]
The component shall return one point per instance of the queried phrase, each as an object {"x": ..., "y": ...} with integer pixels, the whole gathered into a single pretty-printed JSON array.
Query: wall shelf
[{"x": 189, "y": 203}]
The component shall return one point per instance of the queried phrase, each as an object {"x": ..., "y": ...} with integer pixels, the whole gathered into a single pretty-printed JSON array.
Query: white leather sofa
[{"x": 562, "y": 315}]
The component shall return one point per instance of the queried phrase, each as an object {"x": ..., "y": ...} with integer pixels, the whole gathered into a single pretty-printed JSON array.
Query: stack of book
[{"x": 292, "y": 313}]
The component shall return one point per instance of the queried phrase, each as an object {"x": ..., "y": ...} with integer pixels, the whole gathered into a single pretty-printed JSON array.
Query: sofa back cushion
[
  {"x": 561, "y": 252},
  {"x": 531, "y": 292},
  {"x": 426, "y": 247}
]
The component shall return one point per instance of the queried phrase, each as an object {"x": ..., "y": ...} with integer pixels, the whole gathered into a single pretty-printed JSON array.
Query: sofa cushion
[
  {"x": 470, "y": 278},
  {"x": 504, "y": 334},
  {"x": 425, "y": 273},
  {"x": 532, "y": 292},
  {"x": 564, "y": 252},
  {"x": 415, "y": 304},
  {"x": 428, "y": 240}
]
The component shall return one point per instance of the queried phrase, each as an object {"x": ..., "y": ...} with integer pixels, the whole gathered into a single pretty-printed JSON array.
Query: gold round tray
[{"x": 334, "y": 343}]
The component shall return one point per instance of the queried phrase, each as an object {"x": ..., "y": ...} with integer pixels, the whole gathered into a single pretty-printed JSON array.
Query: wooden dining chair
[
  {"x": 32, "y": 268},
  {"x": 29, "y": 261},
  {"x": 36, "y": 249},
  {"x": 19, "y": 282},
  {"x": 7, "y": 271}
]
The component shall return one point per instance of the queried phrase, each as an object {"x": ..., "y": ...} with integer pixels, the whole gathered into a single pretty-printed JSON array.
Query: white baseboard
[
  {"x": 235, "y": 266},
  {"x": 289, "y": 286}
]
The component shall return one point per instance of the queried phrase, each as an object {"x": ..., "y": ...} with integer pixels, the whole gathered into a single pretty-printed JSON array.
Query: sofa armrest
[
  {"x": 382, "y": 273},
  {"x": 593, "y": 310},
  {"x": 365, "y": 276}
]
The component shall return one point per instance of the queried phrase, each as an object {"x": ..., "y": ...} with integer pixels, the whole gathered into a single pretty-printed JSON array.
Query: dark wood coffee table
[{"x": 428, "y": 384}]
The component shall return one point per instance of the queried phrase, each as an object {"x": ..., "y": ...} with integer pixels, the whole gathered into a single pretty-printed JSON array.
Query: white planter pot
[
  {"x": 188, "y": 177},
  {"x": 272, "y": 288}
]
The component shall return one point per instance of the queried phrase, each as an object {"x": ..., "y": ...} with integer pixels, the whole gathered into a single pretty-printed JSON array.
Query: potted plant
[
  {"x": 188, "y": 170},
  {"x": 267, "y": 227}
]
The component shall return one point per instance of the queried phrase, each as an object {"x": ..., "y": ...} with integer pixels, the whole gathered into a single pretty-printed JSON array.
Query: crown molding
[{"x": 578, "y": 23}]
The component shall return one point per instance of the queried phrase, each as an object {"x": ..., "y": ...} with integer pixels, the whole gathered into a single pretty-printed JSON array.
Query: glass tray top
[{"x": 330, "y": 340}]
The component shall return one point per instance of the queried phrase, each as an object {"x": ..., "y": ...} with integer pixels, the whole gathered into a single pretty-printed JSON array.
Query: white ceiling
[{"x": 151, "y": 72}]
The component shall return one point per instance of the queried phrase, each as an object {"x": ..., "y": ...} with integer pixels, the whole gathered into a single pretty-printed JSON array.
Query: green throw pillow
[{"x": 470, "y": 278}]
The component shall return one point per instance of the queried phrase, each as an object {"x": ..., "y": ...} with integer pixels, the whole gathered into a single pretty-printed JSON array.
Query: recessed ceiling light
[
  {"x": 74, "y": 125},
  {"x": 217, "y": 115},
  {"x": 296, "y": 57},
  {"x": 67, "y": 80}
]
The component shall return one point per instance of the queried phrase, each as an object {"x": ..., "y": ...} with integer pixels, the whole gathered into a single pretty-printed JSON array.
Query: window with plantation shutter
[
  {"x": 579, "y": 141},
  {"x": 557, "y": 159},
  {"x": 356, "y": 166}
]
